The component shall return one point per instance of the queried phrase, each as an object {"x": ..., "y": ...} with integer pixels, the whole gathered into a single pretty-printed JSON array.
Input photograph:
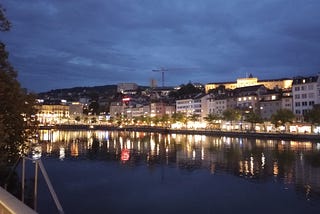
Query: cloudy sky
[{"x": 67, "y": 43}]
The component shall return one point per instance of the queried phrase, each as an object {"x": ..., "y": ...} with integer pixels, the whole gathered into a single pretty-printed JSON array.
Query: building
[
  {"x": 52, "y": 114},
  {"x": 122, "y": 87},
  {"x": 287, "y": 100},
  {"x": 116, "y": 109},
  {"x": 269, "y": 104},
  {"x": 283, "y": 83},
  {"x": 248, "y": 97},
  {"x": 157, "y": 109},
  {"x": 190, "y": 106},
  {"x": 217, "y": 105},
  {"x": 75, "y": 110},
  {"x": 305, "y": 94},
  {"x": 137, "y": 111}
]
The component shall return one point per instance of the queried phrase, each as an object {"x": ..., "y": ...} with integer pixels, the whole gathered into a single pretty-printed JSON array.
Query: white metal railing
[
  {"x": 39, "y": 164},
  {"x": 11, "y": 205}
]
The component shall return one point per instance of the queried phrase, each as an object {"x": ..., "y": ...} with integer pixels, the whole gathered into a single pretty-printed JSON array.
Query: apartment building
[
  {"x": 249, "y": 97},
  {"x": 136, "y": 111},
  {"x": 116, "y": 109},
  {"x": 269, "y": 104},
  {"x": 217, "y": 105},
  {"x": 190, "y": 106},
  {"x": 305, "y": 94}
]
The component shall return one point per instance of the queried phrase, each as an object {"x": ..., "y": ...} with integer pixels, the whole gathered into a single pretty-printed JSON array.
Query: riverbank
[{"x": 243, "y": 134}]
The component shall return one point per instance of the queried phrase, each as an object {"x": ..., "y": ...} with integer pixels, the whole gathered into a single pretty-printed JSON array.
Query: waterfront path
[{"x": 208, "y": 132}]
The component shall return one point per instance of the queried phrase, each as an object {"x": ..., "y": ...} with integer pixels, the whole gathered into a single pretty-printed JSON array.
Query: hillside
[{"x": 73, "y": 94}]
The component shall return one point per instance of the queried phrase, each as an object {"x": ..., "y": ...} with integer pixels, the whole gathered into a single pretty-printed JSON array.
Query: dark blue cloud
[{"x": 59, "y": 44}]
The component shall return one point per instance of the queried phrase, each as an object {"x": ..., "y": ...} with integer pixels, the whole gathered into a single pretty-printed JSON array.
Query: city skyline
[{"x": 55, "y": 44}]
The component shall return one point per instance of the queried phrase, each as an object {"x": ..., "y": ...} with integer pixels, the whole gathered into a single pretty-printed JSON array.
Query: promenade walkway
[{"x": 208, "y": 132}]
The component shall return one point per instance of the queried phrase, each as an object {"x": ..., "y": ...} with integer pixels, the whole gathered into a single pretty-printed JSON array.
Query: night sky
[{"x": 67, "y": 43}]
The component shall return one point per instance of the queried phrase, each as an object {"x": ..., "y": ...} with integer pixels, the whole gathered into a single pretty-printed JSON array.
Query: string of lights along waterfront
[{"x": 138, "y": 172}]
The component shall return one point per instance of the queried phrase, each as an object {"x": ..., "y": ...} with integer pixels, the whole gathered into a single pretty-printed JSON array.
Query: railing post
[
  {"x": 23, "y": 178},
  {"x": 36, "y": 185}
]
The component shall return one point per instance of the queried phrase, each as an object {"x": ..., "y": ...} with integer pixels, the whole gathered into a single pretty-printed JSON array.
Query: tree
[
  {"x": 18, "y": 124},
  {"x": 4, "y": 22},
  {"x": 185, "y": 90},
  {"x": 231, "y": 114},
  {"x": 78, "y": 119},
  {"x": 93, "y": 120},
  {"x": 313, "y": 116},
  {"x": 212, "y": 119},
  {"x": 253, "y": 118},
  {"x": 179, "y": 117},
  {"x": 165, "y": 119},
  {"x": 156, "y": 120},
  {"x": 94, "y": 108},
  {"x": 282, "y": 116},
  {"x": 194, "y": 117}
]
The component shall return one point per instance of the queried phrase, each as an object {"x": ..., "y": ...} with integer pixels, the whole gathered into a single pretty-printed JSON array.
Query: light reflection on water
[{"x": 290, "y": 162}]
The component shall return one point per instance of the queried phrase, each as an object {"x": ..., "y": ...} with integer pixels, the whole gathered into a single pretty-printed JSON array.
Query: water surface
[{"x": 135, "y": 172}]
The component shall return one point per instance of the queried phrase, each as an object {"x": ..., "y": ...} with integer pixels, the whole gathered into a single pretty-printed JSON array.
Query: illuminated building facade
[
  {"x": 248, "y": 97},
  {"x": 190, "y": 106},
  {"x": 219, "y": 104},
  {"x": 305, "y": 94},
  {"x": 137, "y": 111},
  {"x": 75, "y": 110},
  {"x": 157, "y": 109},
  {"x": 283, "y": 83},
  {"x": 121, "y": 87},
  {"x": 116, "y": 109},
  {"x": 269, "y": 105},
  {"x": 52, "y": 114}
]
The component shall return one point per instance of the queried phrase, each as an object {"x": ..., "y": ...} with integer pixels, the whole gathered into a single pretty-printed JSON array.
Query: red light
[{"x": 125, "y": 154}]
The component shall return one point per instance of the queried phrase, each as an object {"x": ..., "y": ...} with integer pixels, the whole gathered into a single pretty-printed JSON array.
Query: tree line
[{"x": 18, "y": 124}]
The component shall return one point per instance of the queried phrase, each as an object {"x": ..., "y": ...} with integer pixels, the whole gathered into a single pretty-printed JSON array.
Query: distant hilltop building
[
  {"x": 122, "y": 87},
  {"x": 283, "y": 83},
  {"x": 153, "y": 83}
]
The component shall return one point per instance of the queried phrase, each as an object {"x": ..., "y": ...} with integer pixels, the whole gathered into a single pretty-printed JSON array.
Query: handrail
[{"x": 11, "y": 205}]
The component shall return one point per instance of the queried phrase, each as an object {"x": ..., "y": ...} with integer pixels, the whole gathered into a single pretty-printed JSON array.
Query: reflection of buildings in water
[
  {"x": 253, "y": 158},
  {"x": 62, "y": 153},
  {"x": 275, "y": 169},
  {"x": 307, "y": 176},
  {"x": 74, "y": 149},
  {"x": 49, "y": 148}
]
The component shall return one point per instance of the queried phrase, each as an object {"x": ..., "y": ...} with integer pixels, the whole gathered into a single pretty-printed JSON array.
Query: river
[{"x": 138, "y": 172}]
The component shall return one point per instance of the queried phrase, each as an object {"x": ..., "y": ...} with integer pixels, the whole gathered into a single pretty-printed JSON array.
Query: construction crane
[{"x": 162, "y": 70}]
